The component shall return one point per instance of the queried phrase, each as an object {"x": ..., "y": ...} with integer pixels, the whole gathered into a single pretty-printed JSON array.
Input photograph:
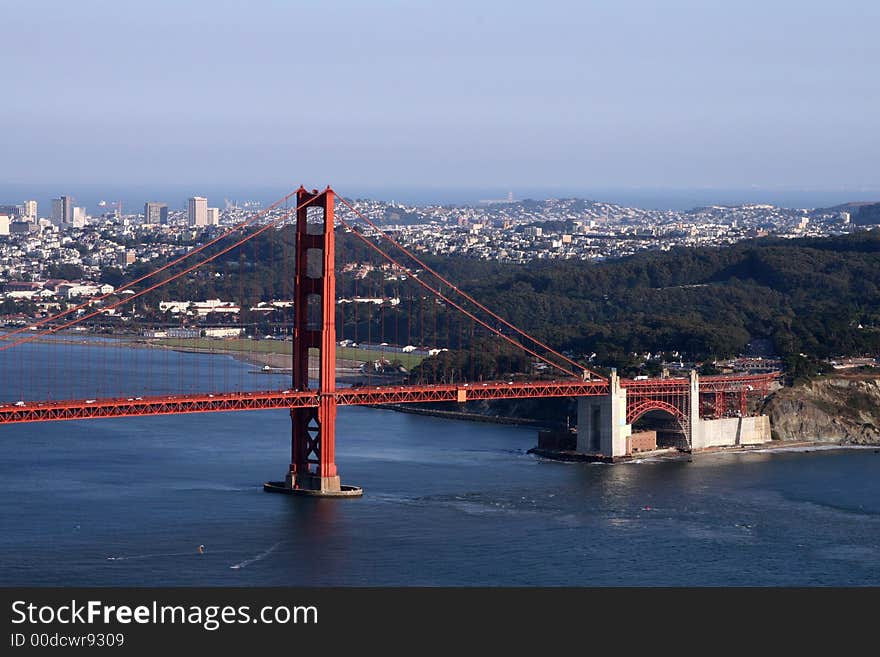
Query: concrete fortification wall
[{"x": 732, "y": 431}]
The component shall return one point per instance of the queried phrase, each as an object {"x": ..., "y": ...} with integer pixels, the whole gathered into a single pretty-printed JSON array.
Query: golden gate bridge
[{"x": 310, "y": 267}]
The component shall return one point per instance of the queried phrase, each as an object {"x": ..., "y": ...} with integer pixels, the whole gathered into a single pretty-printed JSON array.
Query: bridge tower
[
  {"x": 313, "y": 431},
  {"x": 602, "y": 423}
]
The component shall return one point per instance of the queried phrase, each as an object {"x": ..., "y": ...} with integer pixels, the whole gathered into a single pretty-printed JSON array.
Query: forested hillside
[
  {"x": 820, "y": 297},
  {"x": 815, "y": 296}
]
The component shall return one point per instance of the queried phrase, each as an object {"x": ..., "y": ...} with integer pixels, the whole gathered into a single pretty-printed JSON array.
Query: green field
[{"x": 236, "y": 345}]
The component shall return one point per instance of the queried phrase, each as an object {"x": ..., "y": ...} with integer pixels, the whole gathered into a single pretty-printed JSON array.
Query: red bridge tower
[{"x": 313, "y": 440}]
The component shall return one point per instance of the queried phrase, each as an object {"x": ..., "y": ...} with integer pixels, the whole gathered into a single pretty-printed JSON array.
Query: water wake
[
  {"x": 154, "y": 556},
  {"x": 259, "y": 557}
]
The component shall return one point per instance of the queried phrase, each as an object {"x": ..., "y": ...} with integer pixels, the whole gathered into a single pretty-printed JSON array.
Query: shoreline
[
  {"x": 792, "y": 447},
  {"x": 347, "y": 369},
  {"x": 672, "y": 454}
]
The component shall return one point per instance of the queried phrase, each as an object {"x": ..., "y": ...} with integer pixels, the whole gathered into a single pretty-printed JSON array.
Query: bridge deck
[{"x": 47, "y": 411}]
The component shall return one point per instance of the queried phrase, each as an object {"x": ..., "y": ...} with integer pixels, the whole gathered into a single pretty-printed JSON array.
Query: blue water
[
  {"x": 37, "y": 371},
  {"x": 128, "y": 501}
]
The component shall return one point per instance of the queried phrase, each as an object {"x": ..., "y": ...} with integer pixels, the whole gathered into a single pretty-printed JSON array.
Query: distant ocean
[{"x": 134, "y": 196}]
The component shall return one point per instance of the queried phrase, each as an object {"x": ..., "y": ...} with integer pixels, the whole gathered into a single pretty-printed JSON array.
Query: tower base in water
[{"x": 313, "y": 486}]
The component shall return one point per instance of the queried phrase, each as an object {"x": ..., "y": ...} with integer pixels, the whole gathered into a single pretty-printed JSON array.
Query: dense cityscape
[{"x": 35, "y": 247}]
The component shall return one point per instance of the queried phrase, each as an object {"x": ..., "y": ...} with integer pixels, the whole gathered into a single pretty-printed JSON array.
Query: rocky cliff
[{"x": 834, "y": 409}]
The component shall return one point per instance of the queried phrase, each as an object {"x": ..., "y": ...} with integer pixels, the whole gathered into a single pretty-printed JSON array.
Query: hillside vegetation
[{"x": 820, "y": 297}]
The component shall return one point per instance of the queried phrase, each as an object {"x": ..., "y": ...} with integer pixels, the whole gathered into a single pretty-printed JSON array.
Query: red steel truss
[
  {"x": 651, "y": 390},
  {"x": 166, "y": 405},
  {"x": 636, "y": 409},
  {"x": 670, "y": 395},
  {"x": 727, "y": 389}
]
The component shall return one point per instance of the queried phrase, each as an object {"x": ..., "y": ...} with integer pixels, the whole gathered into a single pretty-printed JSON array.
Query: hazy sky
[{"x": 587, "y": 94}]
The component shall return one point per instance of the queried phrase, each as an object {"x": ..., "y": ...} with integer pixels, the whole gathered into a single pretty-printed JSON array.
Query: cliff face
[{"x": 833, "y": 409}]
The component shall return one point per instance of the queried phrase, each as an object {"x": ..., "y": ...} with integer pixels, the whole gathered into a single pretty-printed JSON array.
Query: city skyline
[{"x": 98, "y": 198}]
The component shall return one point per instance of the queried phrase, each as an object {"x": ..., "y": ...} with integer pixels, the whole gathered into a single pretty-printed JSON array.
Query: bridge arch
[{"x": 640, "y": 407}]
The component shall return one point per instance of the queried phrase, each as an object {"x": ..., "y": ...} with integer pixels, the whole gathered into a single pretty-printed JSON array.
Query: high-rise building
[
  {"x": 30, "y": 210},
  {"x": 12, "y": 211},
  {"x": 197, "y": 211},
  {"x": 79, "y": 217},
  {"x": 62, "y": 211},
  {"x": 5, "y": 220},
  {"x": 213, "y": 216},
  {"x": 155, "y": 213}
]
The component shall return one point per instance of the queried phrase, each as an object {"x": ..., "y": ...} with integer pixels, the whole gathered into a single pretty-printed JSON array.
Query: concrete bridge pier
[
  {"x": 602, "y": 427},
  {"x": 695, "y": 422}
]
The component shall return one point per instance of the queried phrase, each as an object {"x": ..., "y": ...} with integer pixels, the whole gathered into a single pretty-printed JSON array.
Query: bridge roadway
[{"x": 48, "y": 411}]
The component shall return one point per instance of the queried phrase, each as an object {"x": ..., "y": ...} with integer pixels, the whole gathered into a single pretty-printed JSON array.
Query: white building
[
  {"x": 213, "y": 216},
  {"x": 5, "y": 220},
  {"x": 200, "y": 308},
  {"x": 30, "y": 210},
  {"x": 72, "y": 290},
  {"x": 224, "y": 332},
  {"x": 79, "y": 217},
  {"x": 197, "y": 211},
  {"x": 205, "y": 308},
  {"x": 184, "y": 333},
  {"x": 174, "y": 306}
]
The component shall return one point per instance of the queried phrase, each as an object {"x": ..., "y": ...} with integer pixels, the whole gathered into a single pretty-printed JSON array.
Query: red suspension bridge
[{"x": 308, "y": 325}]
